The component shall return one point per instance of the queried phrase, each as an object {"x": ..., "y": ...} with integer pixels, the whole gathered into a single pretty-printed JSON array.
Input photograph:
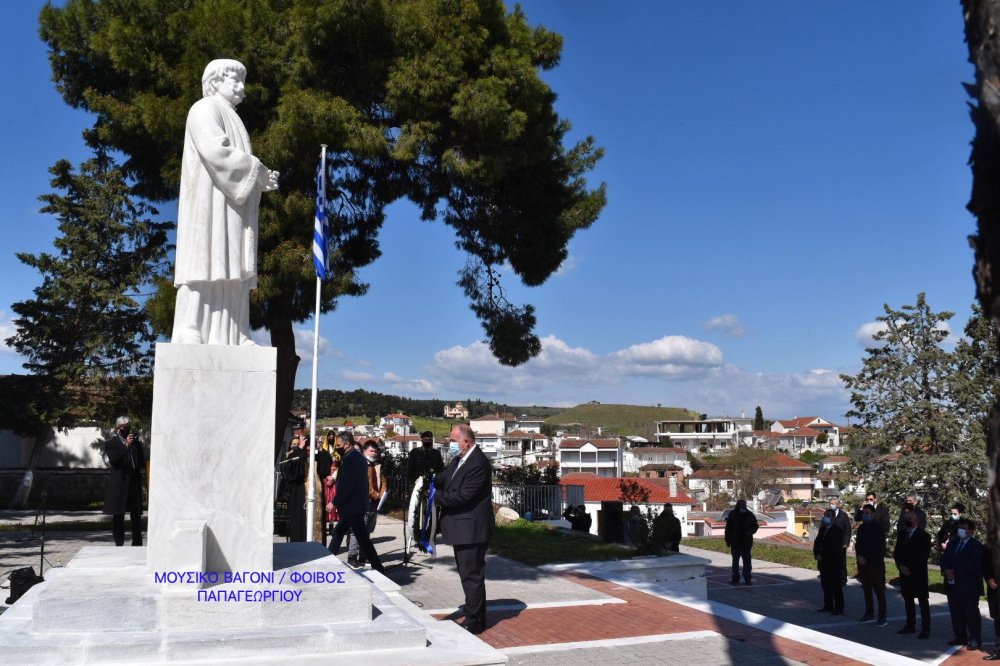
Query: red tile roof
[
  {"x": 798, "y": 421},
  {"x": 711, "y": 474},
  {"x": 608, "y": 489},
  {"x": 576, "y": 443}
]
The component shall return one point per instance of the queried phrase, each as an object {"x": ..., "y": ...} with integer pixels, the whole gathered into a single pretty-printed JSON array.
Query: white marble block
[{"x": 212, "y": 457}]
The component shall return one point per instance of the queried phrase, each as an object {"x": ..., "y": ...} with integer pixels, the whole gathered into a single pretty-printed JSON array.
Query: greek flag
[{"x": 321, "y": 232}]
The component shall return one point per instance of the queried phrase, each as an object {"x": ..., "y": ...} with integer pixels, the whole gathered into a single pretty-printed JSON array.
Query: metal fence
[{"x": 545, "y": 502}]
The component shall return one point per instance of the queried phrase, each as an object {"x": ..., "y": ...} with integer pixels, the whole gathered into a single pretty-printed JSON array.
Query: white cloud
[
  {"x": 672, "y": 356},
  {"x": 865, "y": 334},
  {"x": 391, "y": 377},
  {"x": 727, "y": 324},
  {"x": 568, "y": 264},
  {"x": 357, "y": 376},
  {"x": 7, "y": 329}
]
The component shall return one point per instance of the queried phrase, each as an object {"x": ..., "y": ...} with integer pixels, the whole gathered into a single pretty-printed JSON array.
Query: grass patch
[
  {"x": 803, "y": 558},
  {"x": 620, "y": 419},
  {"x": 535, "y": 544}
]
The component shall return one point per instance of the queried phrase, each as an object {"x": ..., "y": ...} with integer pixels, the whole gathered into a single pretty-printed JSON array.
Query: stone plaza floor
[{"x": 539, "y": 617}]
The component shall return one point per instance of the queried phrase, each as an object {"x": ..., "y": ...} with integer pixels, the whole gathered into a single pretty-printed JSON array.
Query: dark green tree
[
  {"x": 758, "y": 419},
  {"x": 84, "y": 334},
  {"x": 437, "y": 101},
  {"x": 903, "y": 395}
]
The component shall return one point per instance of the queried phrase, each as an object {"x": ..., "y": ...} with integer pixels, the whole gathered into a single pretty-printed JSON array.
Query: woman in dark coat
[{"x": 829, "y": 551}]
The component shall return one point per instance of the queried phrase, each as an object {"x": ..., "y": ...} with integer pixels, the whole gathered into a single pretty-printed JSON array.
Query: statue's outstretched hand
[{"x": 272, "y": 181}]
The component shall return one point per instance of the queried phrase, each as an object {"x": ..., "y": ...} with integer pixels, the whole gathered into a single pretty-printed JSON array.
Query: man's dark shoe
[
  {"x": 353, "y": 563},
  {"x": 734, "y": 581},
  {"x": 973, "y": 646},
  {"x": 992, "y": 657},
  {"x": 924, "y": 634},
  {"x": 881, "y": 622},
  {"x": 473, "y": 626},
  {"x": 907, "y": 630},
  {"x": 867, "y": 617},
  {"x": 824, "y": 609},
  {"x": 747, "y": 581}
]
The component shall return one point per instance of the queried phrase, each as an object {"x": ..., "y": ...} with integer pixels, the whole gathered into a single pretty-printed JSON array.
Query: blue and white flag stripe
[{"x": 321, "y": 232}]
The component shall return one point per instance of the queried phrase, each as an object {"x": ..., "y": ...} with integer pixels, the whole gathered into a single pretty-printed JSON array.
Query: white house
[
  {"x": 456, "y": 411},
  {"x": 524, "y": 447},
  {"x": 794, "y": 478},
  {"x": 401, "y": 424},
  {"x": 806, "y": 433},
  {"x": 635, "y": 458},
  {"x": 601, "y": 457},
  {"x": 715, "y": 434}
]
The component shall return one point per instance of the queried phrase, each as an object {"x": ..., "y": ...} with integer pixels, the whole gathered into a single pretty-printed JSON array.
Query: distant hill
[{"x": 619, "y": 419}]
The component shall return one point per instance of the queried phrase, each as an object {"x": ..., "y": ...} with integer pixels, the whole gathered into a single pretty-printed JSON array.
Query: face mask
[
  {"x": 453, "y": 448},
  {"x": 743, "y": 510},
  {"x": 955, "y": 515},
  {"x": 833, "y": 507},
  {"x": 123, "y": 432},
  {"x": 909, "y": 505},
  {"x": 827, "y": 520},
  {"x": 371, "y": 459},
  {"x": 962, "y": 533}
]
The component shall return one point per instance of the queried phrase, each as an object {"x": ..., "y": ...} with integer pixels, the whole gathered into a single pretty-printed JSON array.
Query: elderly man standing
[
  {"x": 124, "y": 489},
  {"x": 465, "y": 497}
]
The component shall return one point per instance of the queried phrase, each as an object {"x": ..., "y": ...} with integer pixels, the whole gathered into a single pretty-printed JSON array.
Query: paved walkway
[{"x": 541, "y": 618}]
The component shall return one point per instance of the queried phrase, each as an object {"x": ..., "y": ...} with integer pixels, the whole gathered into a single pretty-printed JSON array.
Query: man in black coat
[
  {"x": 881, "y": 513},
  {"x": 124, "y": 489},
  {"x": 353, "y": 502},
  {"x": 830, "y": 556},
  {"x": 843, "y": 522},
  {"x": 912, "y": 504},
  {"x": 425, "y": 460},
  {"x": 741, "y": 525},
  {"x": 962, "y": 566},
  {"x": 949, "y": 530},
  {"x": 870, "y": 550},
  {"x": 465, "y": 498},
  {"x": 913, "y": 548}
]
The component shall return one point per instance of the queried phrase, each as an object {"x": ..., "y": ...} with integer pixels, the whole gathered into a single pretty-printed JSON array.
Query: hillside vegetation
[{"x": 619, "y": 419}]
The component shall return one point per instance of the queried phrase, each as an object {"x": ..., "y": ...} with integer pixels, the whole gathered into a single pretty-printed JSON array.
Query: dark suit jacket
[
  {"x": 465, "y": 497},
  {"x": 740, "y": 528},
  {"x": 968, "y": 565},
  {"x": 351, "y": 497},
  {"x": 871, "y": 544},
  {"x": 423, "y": 461},
  {"x": 912, "y": 552},
  {"x": 844, "y": 523},
  {"x": 829, "y": 550},
  {"x": 881, "y": 517},
  {"x": 124, "y": 490}
]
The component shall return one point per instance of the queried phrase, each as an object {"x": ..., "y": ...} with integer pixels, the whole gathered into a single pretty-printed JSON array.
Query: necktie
[{"x": 959, "y": 548}]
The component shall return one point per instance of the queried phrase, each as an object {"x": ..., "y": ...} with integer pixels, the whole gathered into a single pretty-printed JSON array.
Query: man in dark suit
[
  {"x": 741, "y": 525},
  {"x": 912, "y": 504},
  {"x": 962, "y": 566},
  {"x": 949, "y": 530},
  {"x": 870, "y": 550},
  {"x": 124, "y": 490},
  {"x": 843, "y": 522},
  {"x": 425, "y": 460},
  {"x": 913, "y": 547},
  {"x": 882, "y": 518},
  {"x": 465, "y": 498},
  {"x": 353, "y": 502},
  {"x": 830, "y": 555}
]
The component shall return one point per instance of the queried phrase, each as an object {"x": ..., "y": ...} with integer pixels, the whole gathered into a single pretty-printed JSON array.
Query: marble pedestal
[
  {"x": 678, "y": 574},
  {"x": 104, "y": 608},
  {"x": 211, "y": 488}
]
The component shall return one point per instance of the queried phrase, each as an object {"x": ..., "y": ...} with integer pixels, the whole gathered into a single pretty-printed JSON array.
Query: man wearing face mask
[
  {"x": 353, "y": 502},
  {"x": 912, "y": 504},
  {"x": 913, "y": 548},
  {"x": 843, "y": 522},
  {"x": 741, "y": 525},
  {"x": 881, "y": 513},
  {"x": 376, "y": 486},
  {"x": 962, "y": 566},
  {"x": 870, "y": 550},
  {"x": 465, "y": 497},
  {"x": 949, "y": 529},
  {"x": 124, "y": 490},
  {"x": 830, "y": 555}
]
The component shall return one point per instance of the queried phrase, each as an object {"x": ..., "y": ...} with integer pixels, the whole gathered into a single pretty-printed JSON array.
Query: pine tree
[
  {"x": 758, "y": 419},
  {"x": 84, "y": 333}
]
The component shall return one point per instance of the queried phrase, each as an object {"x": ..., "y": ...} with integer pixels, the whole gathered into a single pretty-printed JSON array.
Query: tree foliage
[
  {"x": 904, "y": 393},
  {"x": 752, "y": 470},
  {"x": 437, "y": 101},
  {"x": 84, "y": 333},
  {"x": 924, "y": 410},
  {"x": 758, "y": 419}
]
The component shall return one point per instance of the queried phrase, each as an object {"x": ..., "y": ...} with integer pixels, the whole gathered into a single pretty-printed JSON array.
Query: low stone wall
[{"x": 69, "y": 489}]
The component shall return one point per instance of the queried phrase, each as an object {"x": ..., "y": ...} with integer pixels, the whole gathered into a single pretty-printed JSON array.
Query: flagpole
[{"x": 311, "y": 502}]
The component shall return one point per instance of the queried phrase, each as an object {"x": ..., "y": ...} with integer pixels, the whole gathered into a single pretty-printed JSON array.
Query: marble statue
[{"x": 221, "y": 184}]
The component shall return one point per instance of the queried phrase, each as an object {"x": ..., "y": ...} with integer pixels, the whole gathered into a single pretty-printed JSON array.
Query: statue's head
[{"x": 217, "y": 71}]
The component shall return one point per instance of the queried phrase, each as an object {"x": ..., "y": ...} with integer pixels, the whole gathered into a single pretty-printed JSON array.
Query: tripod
[{"x": 39, "y": 517}]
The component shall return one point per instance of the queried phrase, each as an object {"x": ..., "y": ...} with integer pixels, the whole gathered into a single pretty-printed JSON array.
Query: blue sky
[{"x": 776, "y": 172}]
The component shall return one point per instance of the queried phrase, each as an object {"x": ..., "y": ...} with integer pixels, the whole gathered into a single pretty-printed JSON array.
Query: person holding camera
[{"x": 124, "y": 489}]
